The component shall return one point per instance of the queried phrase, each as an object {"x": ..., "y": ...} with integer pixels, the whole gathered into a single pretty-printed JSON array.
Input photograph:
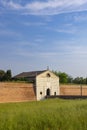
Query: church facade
[{"x": 45, "y": 82}]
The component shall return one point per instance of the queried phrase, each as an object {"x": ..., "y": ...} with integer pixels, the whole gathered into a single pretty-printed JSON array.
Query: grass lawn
[{"x": 52, "y": 114}]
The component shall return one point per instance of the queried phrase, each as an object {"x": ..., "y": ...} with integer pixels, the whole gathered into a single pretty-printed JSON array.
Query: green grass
[{"x": 49, "y": 114}]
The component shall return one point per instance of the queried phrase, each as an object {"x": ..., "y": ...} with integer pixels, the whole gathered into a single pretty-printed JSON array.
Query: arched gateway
[{"x": 48, "y": 92}]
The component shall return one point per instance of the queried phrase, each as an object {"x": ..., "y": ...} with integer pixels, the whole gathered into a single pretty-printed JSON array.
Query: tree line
[{"x": 65, "y": 78}]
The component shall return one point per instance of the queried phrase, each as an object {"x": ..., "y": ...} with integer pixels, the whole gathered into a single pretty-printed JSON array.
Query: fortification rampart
[
  {"x": 73, "y": 90},
  {"x": 20, "y": 92},
  {"x": 16, "y": 92}
]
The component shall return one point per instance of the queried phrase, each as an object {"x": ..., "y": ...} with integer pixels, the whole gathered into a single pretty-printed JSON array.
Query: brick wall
[
  {"x": 73, "y": 90},
  {"x": 16, "y": 92},
  {"x": 19, "y": 92}
]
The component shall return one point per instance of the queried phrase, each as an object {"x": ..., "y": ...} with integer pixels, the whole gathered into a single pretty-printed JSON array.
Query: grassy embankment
[{"x": 44, "y": 115}]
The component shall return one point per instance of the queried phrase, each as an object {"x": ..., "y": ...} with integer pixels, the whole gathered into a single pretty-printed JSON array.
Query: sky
[{"x": 35, "y": 34}]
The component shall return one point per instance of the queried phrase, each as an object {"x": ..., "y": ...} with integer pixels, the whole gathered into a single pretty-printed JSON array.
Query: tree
[
  {"x": 86, "y": 80},
  {"x": 70, "y": 79},
  {"x": 8, "y": 75},
  {"x": 62, "y": 76},
  {"x": 79, "y": 80},
  {"x": 65, "y": 78},
  {"x": 2, "y": 74}
]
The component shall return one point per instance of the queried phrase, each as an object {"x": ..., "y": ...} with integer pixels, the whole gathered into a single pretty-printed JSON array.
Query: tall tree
[
  {"x": 64, "y": 78},
  {"x": 79, "y": 80},
  {"x": 2, "y": 74},
  {"x": 8, "y": 75}
]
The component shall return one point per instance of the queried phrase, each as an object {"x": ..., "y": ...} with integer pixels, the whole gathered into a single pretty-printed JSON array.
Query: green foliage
[
  {"x": 64, "y": 78},
  {"x": 80, "y": 80},
  {"x": 8, "y": 75},
  {"x": 2, "y": 73},
  {"x": 25, "y": 80},
  {"x": 52, "y": 114},
  {"x": 5, "y": 76}
]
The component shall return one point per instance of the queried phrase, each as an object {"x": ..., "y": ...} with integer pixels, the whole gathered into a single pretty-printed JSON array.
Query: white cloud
[
  {"x": 75, "y": 50},
  {"x": 9, "y": 33},
  {"x": 49, "y": 7},
  {"x": 40, "y": 55},
  {"x": 65, "y": 28},
  {"x": 80, "y": 18},
  {"x": 70, "y": 31},
  {"x": 39, "y": 40},
  {"x": 34, "y": 23},
  {"x": 10, "y": 4},
  {"x": 60, "y": 49}
]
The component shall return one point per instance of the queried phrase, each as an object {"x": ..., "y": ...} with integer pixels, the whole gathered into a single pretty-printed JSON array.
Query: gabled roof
[{"x": 29, "y": 74}]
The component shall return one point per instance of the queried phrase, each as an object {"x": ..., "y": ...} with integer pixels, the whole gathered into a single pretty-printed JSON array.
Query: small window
[
  {"x": 48, "y": 75},
  {"x": 40, "y": 93},
  {"x": 55, "y": 93}
]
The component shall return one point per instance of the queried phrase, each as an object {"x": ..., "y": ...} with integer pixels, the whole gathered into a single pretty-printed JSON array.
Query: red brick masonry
[
  {"x": 20, "y": 92},
  {"x": 16, "y": 92},
  {"x": 73, "y": 90}
]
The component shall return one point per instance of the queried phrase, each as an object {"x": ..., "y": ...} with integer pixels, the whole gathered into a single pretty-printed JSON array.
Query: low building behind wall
[
  {"x": 73, "y": 90},
  {"x": 16, "y": 92}
]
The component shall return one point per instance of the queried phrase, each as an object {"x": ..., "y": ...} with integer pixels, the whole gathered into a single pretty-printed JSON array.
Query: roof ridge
[
  {"x": 29, "y": 74},
  {"x": 35, "y": 71}
]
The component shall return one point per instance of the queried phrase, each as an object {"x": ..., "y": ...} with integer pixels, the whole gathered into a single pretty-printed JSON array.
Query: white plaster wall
[{"x": 43, "y": 83}]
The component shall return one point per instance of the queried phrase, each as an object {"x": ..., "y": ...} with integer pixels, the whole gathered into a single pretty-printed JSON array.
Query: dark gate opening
[{"x": 48, "y": 92}]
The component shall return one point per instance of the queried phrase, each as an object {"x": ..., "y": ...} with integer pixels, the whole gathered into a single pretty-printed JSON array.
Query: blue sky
[{"x": 35, "y": 34}]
